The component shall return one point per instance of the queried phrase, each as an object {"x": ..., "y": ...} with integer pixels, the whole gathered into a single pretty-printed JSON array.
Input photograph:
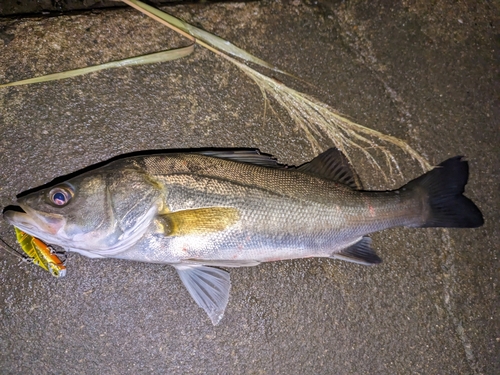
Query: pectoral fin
[
  {"x": 208, "y": 286},
  {"x": 199, "y": 221}
]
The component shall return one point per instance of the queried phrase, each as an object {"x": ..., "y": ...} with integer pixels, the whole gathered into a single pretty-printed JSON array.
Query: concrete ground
[{"x": 427, "y": 73}]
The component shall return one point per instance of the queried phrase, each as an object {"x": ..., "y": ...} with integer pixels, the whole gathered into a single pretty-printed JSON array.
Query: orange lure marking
[{"x": 40, "y": 254}]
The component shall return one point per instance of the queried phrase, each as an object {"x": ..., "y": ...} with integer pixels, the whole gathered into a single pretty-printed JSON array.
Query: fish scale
[{"x": 234, "y": 208}]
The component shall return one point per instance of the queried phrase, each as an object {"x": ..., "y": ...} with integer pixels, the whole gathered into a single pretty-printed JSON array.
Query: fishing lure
[{"x": 40, "y": 254}]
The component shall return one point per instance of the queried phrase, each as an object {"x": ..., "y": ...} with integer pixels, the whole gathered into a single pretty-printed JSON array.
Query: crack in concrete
[
  {"x": 449, "y": 280},
  {"x": 352, "y": 34}
]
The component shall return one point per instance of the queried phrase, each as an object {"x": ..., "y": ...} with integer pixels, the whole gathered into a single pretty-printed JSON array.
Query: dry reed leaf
[
  {"x": 133, "y": 61},
  {"x": 199, "y": 36}
]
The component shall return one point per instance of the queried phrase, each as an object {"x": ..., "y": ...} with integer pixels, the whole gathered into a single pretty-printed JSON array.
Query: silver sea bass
[{"x": 234, "y": 208}]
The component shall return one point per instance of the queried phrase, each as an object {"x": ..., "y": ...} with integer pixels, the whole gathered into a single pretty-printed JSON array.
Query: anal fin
[
  {"x": 208, "y": 286},
  {"x": 360, "y": 252}
]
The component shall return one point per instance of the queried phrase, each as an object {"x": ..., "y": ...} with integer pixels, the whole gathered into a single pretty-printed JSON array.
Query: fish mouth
[{"x": 32, "y": 221}]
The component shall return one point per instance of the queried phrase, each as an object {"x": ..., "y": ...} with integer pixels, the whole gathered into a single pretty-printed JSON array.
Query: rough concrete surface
[{"x": 425, "y": 72}]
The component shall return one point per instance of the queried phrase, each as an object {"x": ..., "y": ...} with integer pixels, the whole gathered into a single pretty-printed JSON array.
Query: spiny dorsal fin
[
  {"x": 250, "y": 156},
  {"x": 334, "y": 166},
  {"x": 360, "y": 253},
  {"x": 198, "y": 221}
]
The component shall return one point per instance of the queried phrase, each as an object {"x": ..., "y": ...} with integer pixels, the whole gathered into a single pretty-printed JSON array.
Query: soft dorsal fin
[
  {"x": 198, "y": 221},
  {"x": 333, "y": 165},
  {"x": 250, "y": 156}
]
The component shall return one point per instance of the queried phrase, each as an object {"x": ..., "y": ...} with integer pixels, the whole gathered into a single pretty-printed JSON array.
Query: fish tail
[{"x": 444, "y": 187}]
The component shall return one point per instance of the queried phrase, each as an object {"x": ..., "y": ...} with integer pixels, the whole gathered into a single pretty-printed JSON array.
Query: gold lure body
[{"x": 40, "y": 254}]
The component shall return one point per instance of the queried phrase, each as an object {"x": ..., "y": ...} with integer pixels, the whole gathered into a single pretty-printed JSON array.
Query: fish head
[{"x": 98, "y": 213}]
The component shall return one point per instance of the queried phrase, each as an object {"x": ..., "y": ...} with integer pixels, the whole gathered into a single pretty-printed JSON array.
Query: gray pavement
[{"x": 425, "y": 73}]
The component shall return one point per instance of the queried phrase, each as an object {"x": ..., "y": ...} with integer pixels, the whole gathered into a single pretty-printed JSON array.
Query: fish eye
[{"x": 60, "y": 196}]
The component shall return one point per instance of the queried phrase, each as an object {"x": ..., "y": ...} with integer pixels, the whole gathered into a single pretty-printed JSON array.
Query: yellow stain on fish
[{"x": 199, "y": 221}]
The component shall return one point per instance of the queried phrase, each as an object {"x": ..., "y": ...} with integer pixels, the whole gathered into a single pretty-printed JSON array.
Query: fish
[
  {"x": 207, "y": 210},
  {"x": 40, "y": 254}
]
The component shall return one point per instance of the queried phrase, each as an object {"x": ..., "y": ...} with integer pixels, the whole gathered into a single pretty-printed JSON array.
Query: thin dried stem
[{"x": 314, "y": 117}]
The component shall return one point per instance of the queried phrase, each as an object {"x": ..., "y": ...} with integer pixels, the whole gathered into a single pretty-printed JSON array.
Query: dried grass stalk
[{"x": 312, "y": 116}]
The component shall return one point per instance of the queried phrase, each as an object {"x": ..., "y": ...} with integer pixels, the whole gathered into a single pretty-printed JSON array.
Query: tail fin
[{"x": 444, "y": 186}]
